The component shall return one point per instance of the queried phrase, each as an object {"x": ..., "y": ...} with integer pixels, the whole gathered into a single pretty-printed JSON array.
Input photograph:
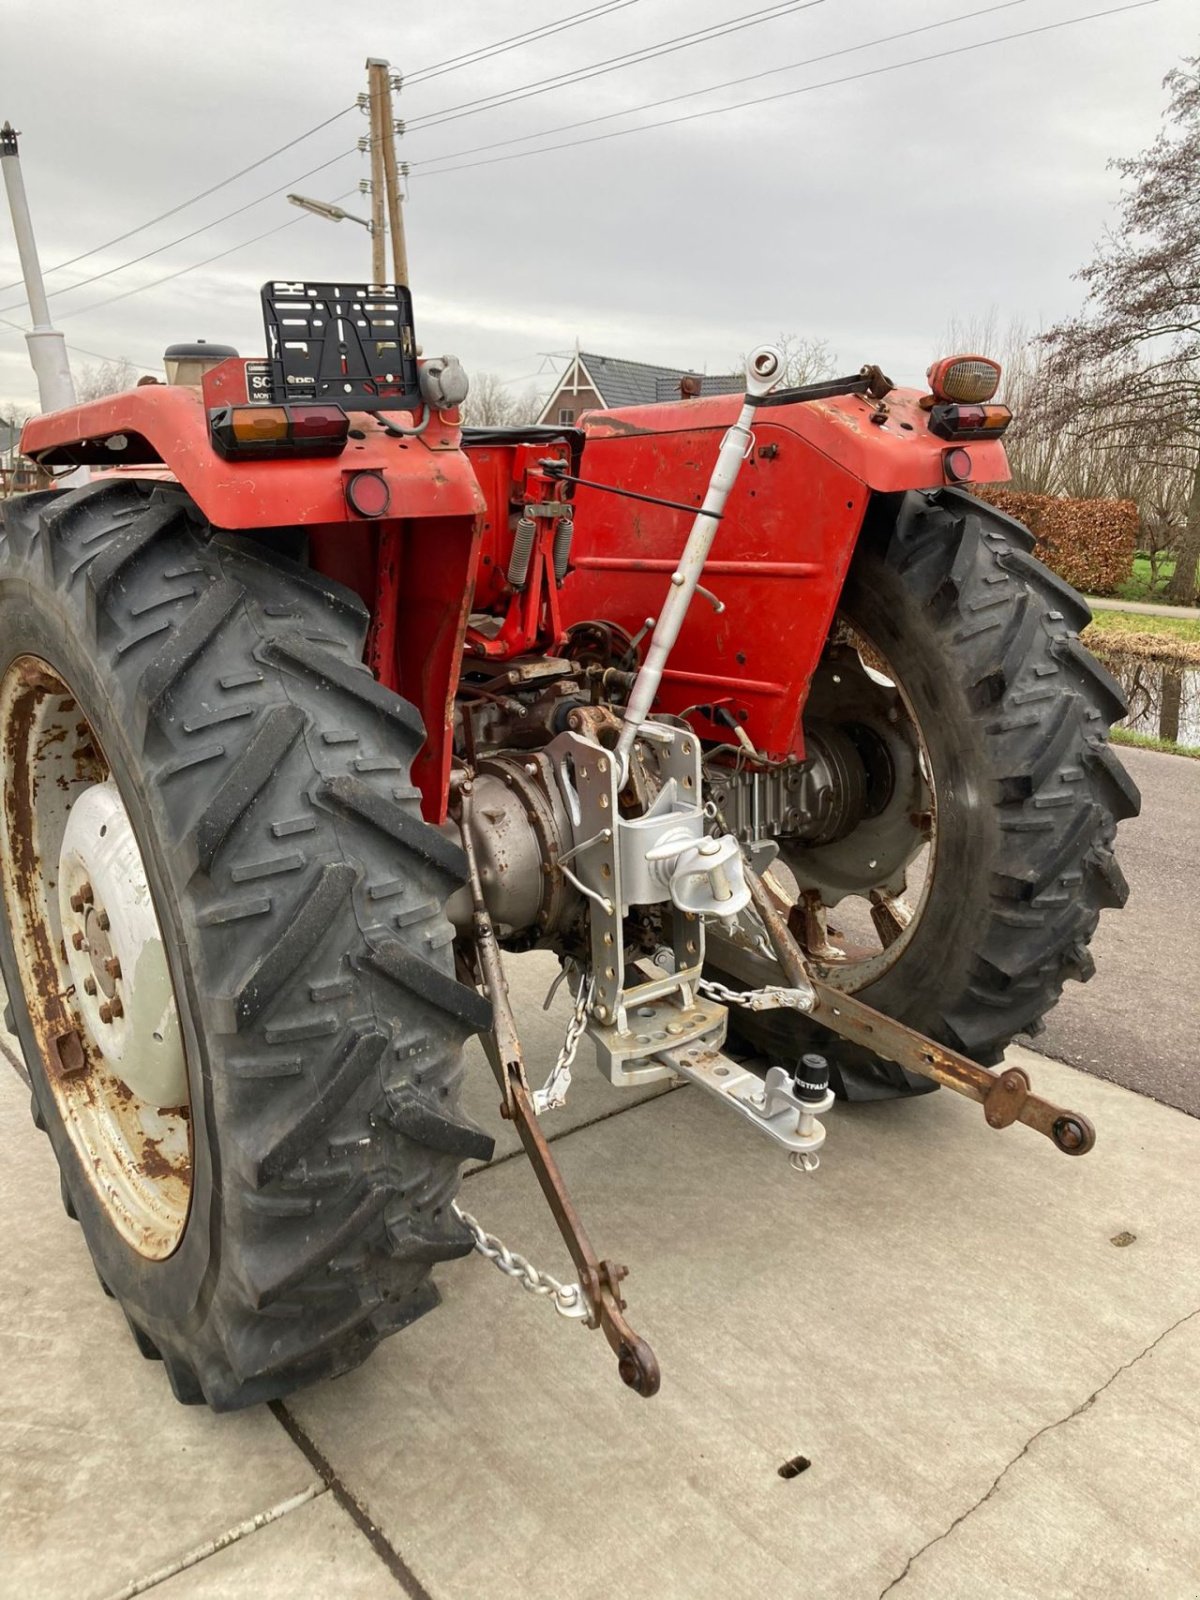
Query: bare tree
[
  {"x": 105, "y": 377},
  {"x": 1129, "y": 365},
  {"x": 491, "y": 403},
  {"x": 805, "y": 359}
]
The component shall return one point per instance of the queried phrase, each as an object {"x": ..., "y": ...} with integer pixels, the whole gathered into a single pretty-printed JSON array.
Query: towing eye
[{"x": 599, "y": 1280}]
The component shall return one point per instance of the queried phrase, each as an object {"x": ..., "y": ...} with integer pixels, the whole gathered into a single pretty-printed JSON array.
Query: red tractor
[{"x": 314, "y": 702}]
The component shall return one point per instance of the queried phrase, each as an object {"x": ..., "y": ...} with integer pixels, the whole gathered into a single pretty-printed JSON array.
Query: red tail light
[{"x": 265, "y": 432}]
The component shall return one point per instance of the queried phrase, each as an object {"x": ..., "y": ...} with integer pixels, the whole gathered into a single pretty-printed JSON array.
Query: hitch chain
[
  {"x": 568, "y": 1297},
  {"x": 773, "y": 997},
  {"x": 553, "y": 1093}
]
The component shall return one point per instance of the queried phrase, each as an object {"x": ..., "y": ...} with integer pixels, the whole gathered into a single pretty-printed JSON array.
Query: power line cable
[
  {"x": 767, "y": 14},
  {"x": 183, "y": 204},
  {"x": 79, "y": 350},
  {"x": 785, "y": 94},
  {"x": 421, "y": 75},
  {"x": 544, "y": 30},
  {"x": 82, "y": 311},
  {"x": 729, "y": 83},
  {"x": 184, "y": 237},
  {"x": 631, "y": 58},
  {"x": 667, "y": 47}
]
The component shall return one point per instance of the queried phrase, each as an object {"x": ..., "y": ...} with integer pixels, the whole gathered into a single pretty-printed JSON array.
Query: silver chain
[
  {"x": 553, "y": 1092},
  {"x": 568, "y": 1298},
  {"x": 773, "y": 997}
]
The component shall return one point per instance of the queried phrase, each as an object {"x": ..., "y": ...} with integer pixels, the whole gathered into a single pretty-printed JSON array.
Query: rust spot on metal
[
  {"x": 1003, "y": 1101},
  {"x": 153, "y": 1164},
  {"x": 68, "y": 1054},
  {"x": 33, "y": 675}
]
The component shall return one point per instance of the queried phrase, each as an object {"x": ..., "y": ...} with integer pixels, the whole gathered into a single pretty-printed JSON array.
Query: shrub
[{"x": 1090, "y": 543}]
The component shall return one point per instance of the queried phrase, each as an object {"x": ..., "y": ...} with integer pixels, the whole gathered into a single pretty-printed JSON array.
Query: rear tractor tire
[
  {"x": 224, "y": 941},
  {"x": 1008, "y": 716}
]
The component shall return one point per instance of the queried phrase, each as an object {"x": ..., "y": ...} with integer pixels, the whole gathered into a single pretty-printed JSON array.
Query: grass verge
[
  {"x": 1147, "y": 741},
  {"x": 1163, "y": 638}
]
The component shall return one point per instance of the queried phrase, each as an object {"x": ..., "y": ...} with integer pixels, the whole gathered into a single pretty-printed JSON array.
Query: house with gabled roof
[{"x": 593, "y": 382}]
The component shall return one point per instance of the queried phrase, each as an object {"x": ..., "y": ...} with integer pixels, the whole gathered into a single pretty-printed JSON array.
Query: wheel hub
[{"x": 115, "y": 951}]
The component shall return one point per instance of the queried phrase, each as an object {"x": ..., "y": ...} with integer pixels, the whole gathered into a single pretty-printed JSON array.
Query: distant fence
[{"x": 1090, "y": 543}]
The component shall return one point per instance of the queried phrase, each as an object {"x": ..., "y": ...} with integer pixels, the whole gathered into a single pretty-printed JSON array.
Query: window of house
[{"x": 566, "y": 414}]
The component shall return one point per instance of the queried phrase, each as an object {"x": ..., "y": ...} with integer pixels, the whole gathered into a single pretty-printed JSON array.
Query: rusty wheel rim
[
  {"x": 91, "y": 961},
  {"x": 872, "y": 925}
]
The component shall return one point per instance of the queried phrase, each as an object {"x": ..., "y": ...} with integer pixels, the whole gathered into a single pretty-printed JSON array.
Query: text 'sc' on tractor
[{"x": 315, "y": 702}]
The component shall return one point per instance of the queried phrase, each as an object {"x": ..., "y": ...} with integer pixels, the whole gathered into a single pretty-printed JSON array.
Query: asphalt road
[{"x": 1137, "y": 1022}]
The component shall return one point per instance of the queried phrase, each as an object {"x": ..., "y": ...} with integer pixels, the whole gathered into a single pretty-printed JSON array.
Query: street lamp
[{"x": 331, "y": 213}]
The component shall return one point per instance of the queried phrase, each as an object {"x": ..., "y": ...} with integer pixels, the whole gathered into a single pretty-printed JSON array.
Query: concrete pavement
[{"x": 996, "y": 1399}]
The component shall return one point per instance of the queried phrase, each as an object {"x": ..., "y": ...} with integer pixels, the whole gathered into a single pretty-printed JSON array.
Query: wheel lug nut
[
  {"x": 113, "y": 967},
  {"x": 115, "y": 1008},
  {"x": 85, "y": 892},
  {"x": 106, "y": 1012},
  {"x": 77, "y": 940},
  {"x": 89, "y": 986},
  {"x": 77, "y": 902},
  {"x": 102, "y": 921}
]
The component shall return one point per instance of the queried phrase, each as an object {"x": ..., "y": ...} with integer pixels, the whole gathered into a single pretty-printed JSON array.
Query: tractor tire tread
[
  {"x": 1034, "y": 707},
  {"x": 334, "y": 1021}
]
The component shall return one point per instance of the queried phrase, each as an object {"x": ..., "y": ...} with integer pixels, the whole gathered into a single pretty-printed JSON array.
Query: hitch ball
[{"x": 810, "y": 1079}]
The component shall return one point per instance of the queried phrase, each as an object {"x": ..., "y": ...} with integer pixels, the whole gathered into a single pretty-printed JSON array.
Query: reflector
[
  {"x": 368, "y": 494},
  {"x": 957, "y": 465}
]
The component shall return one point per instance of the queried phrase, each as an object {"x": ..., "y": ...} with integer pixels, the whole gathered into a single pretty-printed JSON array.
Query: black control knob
[{"x": 810, "y": 1079}]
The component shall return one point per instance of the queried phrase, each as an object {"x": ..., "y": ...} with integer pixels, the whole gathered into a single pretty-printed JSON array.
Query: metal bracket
[
  {"x": 632, "y": 1055},
  {"x": 608, "y": 865},
  {"x": 771, "y": 1104}
]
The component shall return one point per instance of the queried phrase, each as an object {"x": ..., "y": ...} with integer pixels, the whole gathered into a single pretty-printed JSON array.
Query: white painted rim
[{"x": 92, "y": 962}]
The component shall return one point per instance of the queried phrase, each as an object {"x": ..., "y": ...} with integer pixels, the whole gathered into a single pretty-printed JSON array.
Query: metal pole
[
  {"x": 47, "y": 348},
  {"x": 376, "y": 83},
  {"x": 395, "y": 215},
  {"x": 763, "y": 367}
]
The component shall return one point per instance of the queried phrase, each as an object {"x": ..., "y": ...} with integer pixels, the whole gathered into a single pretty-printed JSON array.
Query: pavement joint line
[
  {"x": 405, "y": 1577},
  {"x": 565, "y": 1133},
  {"x": 210, "y": 1547},
  {"x": 1049, "y": 1427}
]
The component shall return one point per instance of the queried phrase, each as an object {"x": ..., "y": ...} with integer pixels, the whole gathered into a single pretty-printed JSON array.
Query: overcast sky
[{"x": 867, "y": 213}]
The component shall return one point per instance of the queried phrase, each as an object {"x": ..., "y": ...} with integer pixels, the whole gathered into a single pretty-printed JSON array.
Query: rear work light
[
  {"x": 246, "y": 433},
  {"x": 969, "y": 422},
  {"x": 969, "y": 380}
]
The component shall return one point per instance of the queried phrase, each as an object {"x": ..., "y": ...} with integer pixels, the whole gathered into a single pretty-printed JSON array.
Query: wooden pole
[
  {"x": 376, "y": 85},
  {"x": 395, "y": 215}
]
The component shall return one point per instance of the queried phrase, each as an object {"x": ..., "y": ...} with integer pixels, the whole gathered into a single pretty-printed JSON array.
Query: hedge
[{"x": 1090, "y": 543}]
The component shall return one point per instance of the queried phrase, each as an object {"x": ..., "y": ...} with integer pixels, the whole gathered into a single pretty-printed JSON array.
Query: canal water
[{"x": 1164, "y": 697}]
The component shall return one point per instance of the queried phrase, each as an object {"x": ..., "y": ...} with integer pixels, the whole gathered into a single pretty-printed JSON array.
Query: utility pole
[
  {"x": 383, "y": 130},
  {"x": 395, "y": 214},
  {"x": 376, "y": 85},
  {"x": 47, "y": 348}
]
